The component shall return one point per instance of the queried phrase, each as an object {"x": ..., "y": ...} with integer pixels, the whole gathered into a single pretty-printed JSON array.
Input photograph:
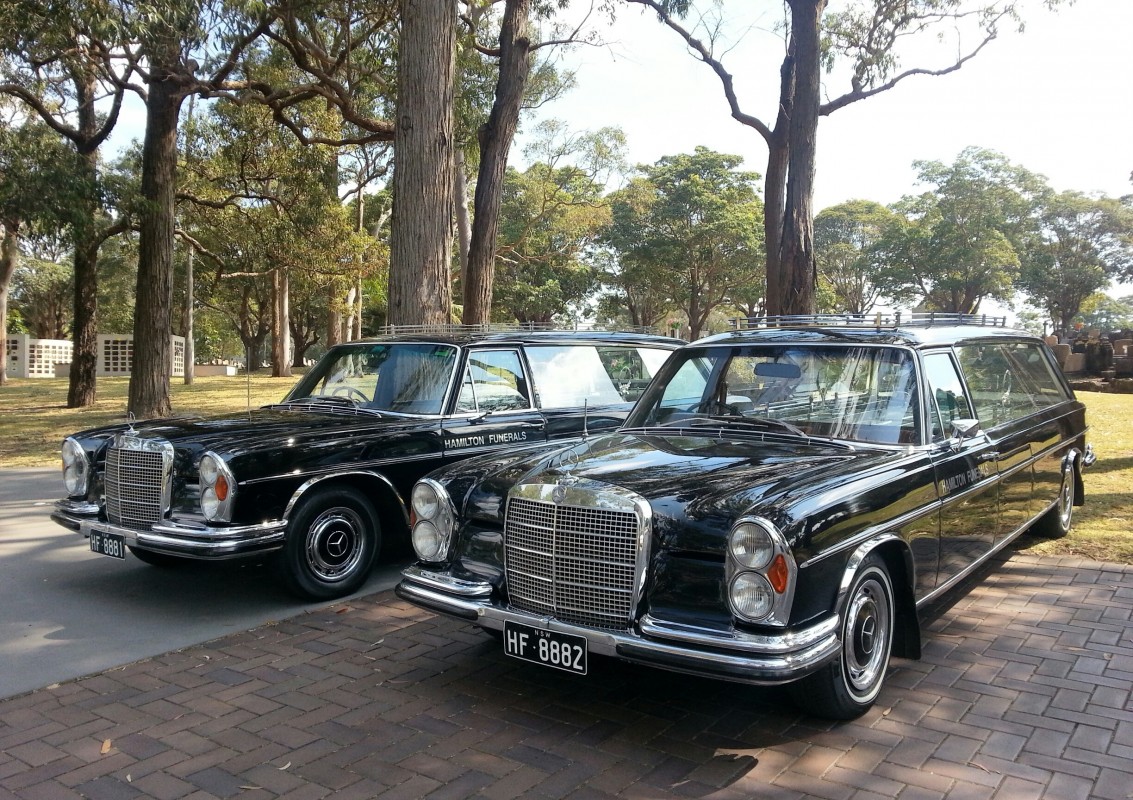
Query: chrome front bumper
[
  {"x": 197, "y": 540},
  {"x": 747, "y": 658}
]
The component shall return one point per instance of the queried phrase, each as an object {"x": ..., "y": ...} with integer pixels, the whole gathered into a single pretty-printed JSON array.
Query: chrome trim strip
[
  {"x": 447, "y": 583},
  {"x": 776, "y": 643},
  {"x": 298, "y": 495},
  {"x": 83, "y": 508},
  {"x": 359, "y": 466}
]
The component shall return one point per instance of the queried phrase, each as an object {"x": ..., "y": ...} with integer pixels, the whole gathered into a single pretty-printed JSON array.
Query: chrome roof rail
[{"x": 877, "y": 321}]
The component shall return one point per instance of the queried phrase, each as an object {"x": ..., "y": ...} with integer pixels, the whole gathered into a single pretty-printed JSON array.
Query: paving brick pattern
[{"x": 1023, "y": 691}]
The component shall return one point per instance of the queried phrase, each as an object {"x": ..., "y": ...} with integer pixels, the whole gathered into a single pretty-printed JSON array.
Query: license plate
[
  {"x": 549, "y": 648},
  {"x": 108, "y": 544}
]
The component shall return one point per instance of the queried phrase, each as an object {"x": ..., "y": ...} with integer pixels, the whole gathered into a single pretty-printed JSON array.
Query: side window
[
  {"x": 948, "y": 401},
  {"x": 1009, "y": 380},
  {"x": 1035, "y": 375},
  {"x": 566, "y": 376},
  {"x": 493, "y": 381},
  {"x": 990, "y": 380}
]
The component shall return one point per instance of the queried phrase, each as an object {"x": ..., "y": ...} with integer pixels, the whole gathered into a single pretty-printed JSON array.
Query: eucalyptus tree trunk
[
  {"x": 9, "y": 251},
  {"x": 187, "y": 330},
  {"x": 799, "y": 269},
  {"x": 153, "y": 314},
  {"x": 495, "y": 142},
  {"x": 281, "y": 324},
  {"x": 421, "y": 237},
  {"x": 82, "y": 382}
]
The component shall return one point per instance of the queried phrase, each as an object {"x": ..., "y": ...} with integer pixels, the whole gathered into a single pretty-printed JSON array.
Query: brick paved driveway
[{"x": 1024, "y": 691}]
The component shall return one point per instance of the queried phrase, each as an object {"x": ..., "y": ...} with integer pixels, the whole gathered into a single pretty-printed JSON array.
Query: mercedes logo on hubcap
[{"x": 337, "y": 544}]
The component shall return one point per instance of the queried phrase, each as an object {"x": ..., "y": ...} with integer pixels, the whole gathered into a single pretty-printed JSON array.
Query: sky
[{"x": 1056, "y": 99}]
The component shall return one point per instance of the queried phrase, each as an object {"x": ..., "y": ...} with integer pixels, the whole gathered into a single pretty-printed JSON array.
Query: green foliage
[
  {"x": 550, "y": 219},
  {"x": 41, "y": 293},
  {"x": 1106, "y": 313},
  {"x": 688, "y": 230},
  {"x": 845, "y": 238},
  {"x": 41, "y": 182},
  {"x": 961, "y": 242},
  {"x": 1084, "y": 243}
]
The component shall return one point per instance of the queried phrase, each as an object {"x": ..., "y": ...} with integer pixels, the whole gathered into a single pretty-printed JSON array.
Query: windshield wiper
[
  {"x": 327, "y": 400},
  {"x": 766, "y": 422}
]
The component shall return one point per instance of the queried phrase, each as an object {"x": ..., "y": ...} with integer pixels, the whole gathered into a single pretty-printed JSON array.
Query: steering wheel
[{"x": 349, "y": 391}]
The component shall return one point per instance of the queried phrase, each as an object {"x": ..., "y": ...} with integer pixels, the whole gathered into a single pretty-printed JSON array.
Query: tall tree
[
  {"x": 519, "y": 82},
  {"x": 1084, "y": 242},
  {"x": 62, "y": 58},
  {"x": 866, "y": 34},
  {"x": 25, "y": 183},
  {"x": 698, "y": 233},
  {"x": 844, "y": 240},
  {"x": 421, "y": 241}
]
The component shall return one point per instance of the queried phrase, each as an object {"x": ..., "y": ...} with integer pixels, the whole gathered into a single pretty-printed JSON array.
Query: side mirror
[{"x": 964, "y": 429}]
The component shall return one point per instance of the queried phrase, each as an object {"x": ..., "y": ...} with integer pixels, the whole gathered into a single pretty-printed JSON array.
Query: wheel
[
  {"x": 847, "y": 686},
  {"x": 332, "y": 540},
  {"x": 156, "y": 559},
  {"x": 1055, "y": 523}
]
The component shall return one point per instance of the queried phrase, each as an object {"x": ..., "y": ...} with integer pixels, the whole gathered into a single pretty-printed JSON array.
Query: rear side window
[
  {"x": 1009, "y": 380},
  {"x": 566, "y": 376}
]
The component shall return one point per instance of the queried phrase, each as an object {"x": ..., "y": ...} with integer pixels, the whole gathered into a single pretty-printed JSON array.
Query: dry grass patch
[
  {"x": 34, "y": 416},
  {"x": 1102, "y": 527}
]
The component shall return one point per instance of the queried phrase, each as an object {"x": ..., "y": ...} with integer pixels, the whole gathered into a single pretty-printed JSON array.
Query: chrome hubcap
[
  {"x": 866, "y": 648},
  {"x": 335, "y": 544}
]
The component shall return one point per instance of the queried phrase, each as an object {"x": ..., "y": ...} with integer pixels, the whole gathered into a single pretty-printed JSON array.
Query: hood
[
  {"x": 269, "y": 433},
  {"x": 697, "y": 486}
]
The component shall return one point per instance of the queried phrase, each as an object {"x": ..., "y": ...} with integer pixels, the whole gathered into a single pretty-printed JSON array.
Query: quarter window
[
  {"x": 949, "y": 399},
  {"x": 493, "y": 381}
]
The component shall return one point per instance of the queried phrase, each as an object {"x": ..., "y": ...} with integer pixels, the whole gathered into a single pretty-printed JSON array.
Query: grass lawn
[{"x": 34, "y": 419}]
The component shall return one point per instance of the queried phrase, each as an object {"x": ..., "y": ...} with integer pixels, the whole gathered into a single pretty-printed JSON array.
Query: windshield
[
  {"x": 405, "y": 378},
  {"x": 856, "y": 393}
]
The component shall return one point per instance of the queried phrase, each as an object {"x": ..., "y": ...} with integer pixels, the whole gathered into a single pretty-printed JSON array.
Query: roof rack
[
  {"x": 506, "y": 327},
  {"x": 878, "y": 321}
]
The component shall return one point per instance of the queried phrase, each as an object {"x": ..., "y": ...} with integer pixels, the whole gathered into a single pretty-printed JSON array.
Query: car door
[
  {"x": 494, "y": 407},
  {"x": 1005, "y": 407},
  {"x": 964, "y": 460}
]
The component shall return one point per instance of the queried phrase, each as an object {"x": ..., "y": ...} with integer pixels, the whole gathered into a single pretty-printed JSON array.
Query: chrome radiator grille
[
  {"x": 137, "y": 481},
  {"x": 573, "y": 560}
]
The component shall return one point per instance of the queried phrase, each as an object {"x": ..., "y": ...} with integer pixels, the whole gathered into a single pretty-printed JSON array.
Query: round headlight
[
  {"x": 209, "y": 471},
  {"x": 74, "y": 467},
  {"x": 427, "y": 541},
  {"x": 426, "y": 504},
  {"x": 751, "y": 545},
  {"x": 751, "y": 596},
  {"x": 210, "y": 503}
]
